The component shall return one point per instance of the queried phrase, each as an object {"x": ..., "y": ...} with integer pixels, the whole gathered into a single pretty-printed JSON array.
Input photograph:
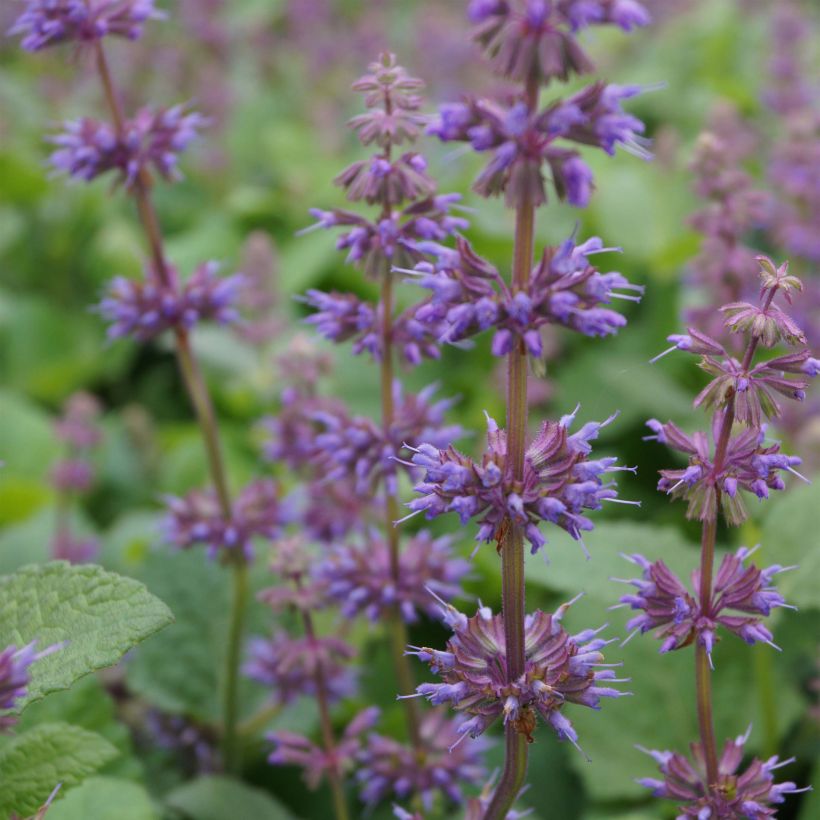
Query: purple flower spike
[
  {"x": 559, "y": 483},
  {"x": 750, "y": 795},
  {"x": 89, "y": 148},
  {"x": 677, "y": 615},
  {"x": 469, "y": 295},
  {"x": 559, "y": 669},
  {"x": 50, "y": 22},
  {"x": 79, "y": 425},
  {"x": 14, "y": 676},
  {"x": 198, "y": 519},
  {"x": 360, "y": 577},
  {"x": 295, "y": 750},
  {"x": 288, "y": 666},
  {"x": 389, "y": 769},
  {"x": 145, "y": 309}
]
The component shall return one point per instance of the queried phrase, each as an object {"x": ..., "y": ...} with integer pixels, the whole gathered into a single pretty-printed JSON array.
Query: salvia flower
[
  {"x": 359, "y": 576},
  {"x": 560, "y": 482},
  {"x": 45, "y": 23},
  {"x": 78, "y": 426},
  {"x": 357, "y": 448},
  {"x": 378, "y": 244},
  {"x": 522, "y": 142},
  {"x": 537, "y": 39},
  {"x": 65, "y": 546},
  {"x": 559, "y": 669},
  {"x": 750, "y": 794},
  {"x": 289, "y": 666},
  {"x": 197, "y": 519},
  {"x": 340, "y": 317},
  {"x": 742, "y": 595},
  {"x": 291, "y": 749},
  {"x": 388, "y": 182},
  {"x": 145, "y": 309},
  {"x": 470, "y": 296},
  {"x": 15, "y": 677},
  {"x": 89, "y": 148},
  {"x": 749, "y": 465},
  {"x": 388, "y": 768}
]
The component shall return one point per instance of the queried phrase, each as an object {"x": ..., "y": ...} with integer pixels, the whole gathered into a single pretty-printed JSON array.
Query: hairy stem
[
  {"x": 513, "y": 587},
  {"x": 334, "y": 774},
  {"x": 200, "y": 398},
  {"x": 397, "y": 628}
]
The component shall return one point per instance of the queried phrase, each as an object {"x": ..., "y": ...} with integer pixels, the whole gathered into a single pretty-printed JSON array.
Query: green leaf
[
  {"x": 220, "y": 798},
  {"x": 788, "y": 538},
  {"x": 32, "y": 764},
  {"x": 105, "y": 798},
  {"x": 100, "y": 616}
]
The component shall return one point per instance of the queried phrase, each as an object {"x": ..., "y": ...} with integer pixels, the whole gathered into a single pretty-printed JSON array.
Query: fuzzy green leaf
[
  {"x": 220, "y": 798},
  {"x": 98, "y": 614}
]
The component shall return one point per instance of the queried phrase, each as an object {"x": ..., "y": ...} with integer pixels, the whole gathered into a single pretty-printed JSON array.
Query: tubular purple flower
[{"x": 15, "y": 676}]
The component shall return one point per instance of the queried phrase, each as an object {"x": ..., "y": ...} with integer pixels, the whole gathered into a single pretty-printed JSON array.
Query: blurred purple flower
[
  {"x": 15, "y": 676},
  {"x": 78, "y": 426},
  {"x": 67, "y": 547}
]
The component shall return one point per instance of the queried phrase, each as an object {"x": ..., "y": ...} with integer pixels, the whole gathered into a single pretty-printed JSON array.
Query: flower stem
[
  {"x": 513, "y": 587},
  {"x": 396, "y": 625},
  {"x": 200, "y": 398},
  {"x": 333, "y": 773}
]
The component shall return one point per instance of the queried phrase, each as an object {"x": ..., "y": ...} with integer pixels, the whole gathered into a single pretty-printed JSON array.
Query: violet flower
[
  {"x": 359, "y": 576},
  {"x": 15, "y": 676},
  {"x": 388, "y": 768},
  {"x": 147, "y": 308},
  {"x": 750, "y": 794},
  {"x": 560, "y": 482},
  {"x": 197, "y": 519},
  {"x": 677, "y": 615},
  {"x": 559, "y": 669},
  {"x": 45, "y": 23},
  {"x": 470, "y": 296},
  {"x": 89, "y": 148}
]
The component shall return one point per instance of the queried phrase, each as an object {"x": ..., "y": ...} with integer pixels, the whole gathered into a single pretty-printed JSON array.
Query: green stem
[
  {"x": 513, "y": 587},
  {"x": 200, "y": 398}
]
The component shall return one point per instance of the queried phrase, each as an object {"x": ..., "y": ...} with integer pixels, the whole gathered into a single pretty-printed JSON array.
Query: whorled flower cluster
[
  {"x": 89, "y": 148},
  {"x": 78, "y": 427},
  {"x": 145, "y": 309},
  {"x": 678, "y": 616},
  {"x": 197, "y": 519},
  {"x": 523, "y": 142},
  {"x": 387, "y": 768},
  {"x": 470, "y": 296},
  {"x": 358, "y": 449},
  {"x": 750, "y": 794},
  {"x": 748, "y": 464},
  {"x": 537, "y": 39},
  {"x": 291, "y": 749},
  {"x": 288, "y": 666},
  {"x": 341, "y": 317},
  {"x": 359, "y": 576},
  {"x": 559, "y": 483},
  {"x": 559, "y": 669},
  {"x": 46, "y": 23}
]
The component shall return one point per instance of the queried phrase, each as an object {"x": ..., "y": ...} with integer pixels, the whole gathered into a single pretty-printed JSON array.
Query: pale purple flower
[
  {"x": 145, "y": 309},
  {"x": 559, "y": 669},
  {"x": 67, "y": 547},
  {"x": 50, "y": 22},
  {"x": 750, "y": 794},
  {"x": 388, "y": 768},
  {"x": 89, "y": 148},
  {"x": 523, "y": 142},
  {"x": 72, "y": 475},
  {"x": 291, "y": 749},
  {"x": 15, "y": 676},
  {"x": 379, "y": 180},
  {"x": 197, "y": 519},
  {"x": 469, "y": 295},
  {"x": 78, "y": 426},
  {"x": 538, "y": 38},
  {"x": 677, "y": 616},
  {"x": 560, "y": 482},
  {"x": 748, "y": 465},
  {"x": 359, "y": 575},
  {"x": 289, "y": 666}
]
